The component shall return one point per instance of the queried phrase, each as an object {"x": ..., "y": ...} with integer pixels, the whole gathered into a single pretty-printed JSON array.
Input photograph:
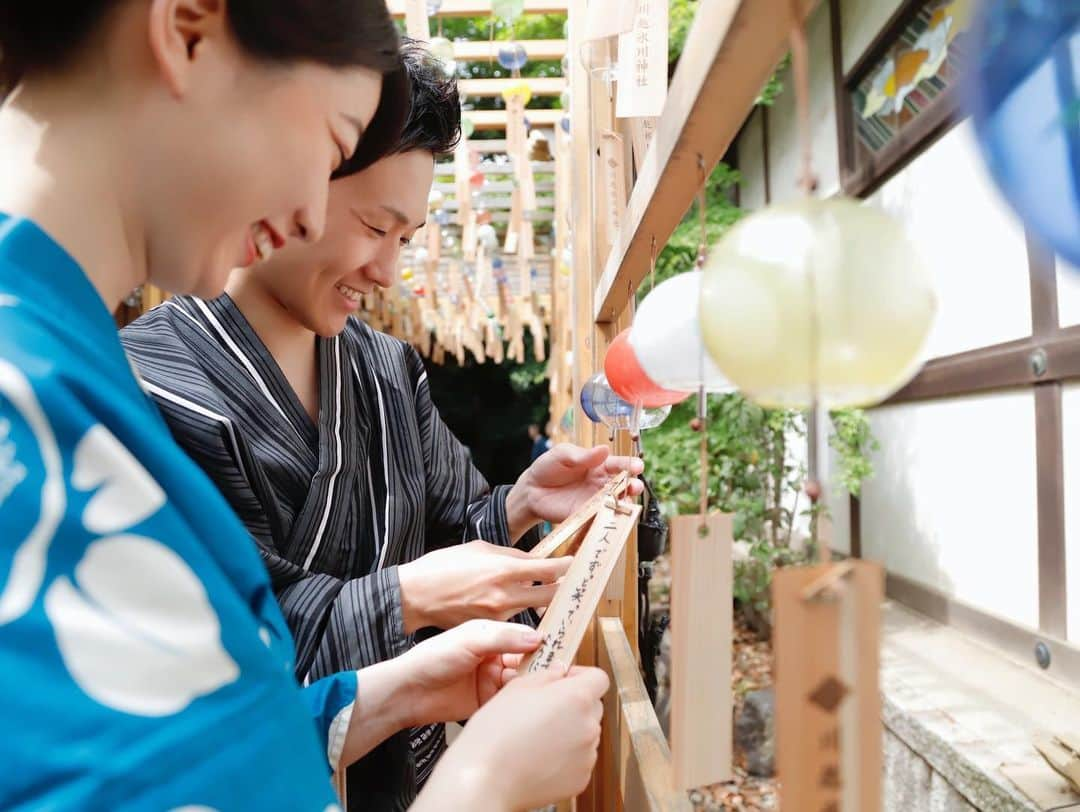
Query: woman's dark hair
[
  {"x": 434, "y": 122},
  {"x": 36, "y": 38}
]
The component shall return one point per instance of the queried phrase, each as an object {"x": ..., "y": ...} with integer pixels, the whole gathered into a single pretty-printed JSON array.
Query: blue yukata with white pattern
[{"x": 144, "y": 663}]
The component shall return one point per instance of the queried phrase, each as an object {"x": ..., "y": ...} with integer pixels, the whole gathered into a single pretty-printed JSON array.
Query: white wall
[
  {"x": 972, "y": 242},
  {"x": 1070, "y": 415},
  {"x": 1068, "y": 286},
  {"x": 953, "y": 501},
  {"x": 751, "y": 164},
  {"x": 861, "y": 20},
  {"x": 784, "y": 150}
]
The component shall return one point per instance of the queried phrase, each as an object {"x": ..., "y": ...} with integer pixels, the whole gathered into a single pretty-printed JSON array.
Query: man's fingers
[
  {"x": 531, "y": 597},
  {"x": 574, "y": 456},
  {"x": 634, "y": 465},
  {"x": 545, "y": 570}
]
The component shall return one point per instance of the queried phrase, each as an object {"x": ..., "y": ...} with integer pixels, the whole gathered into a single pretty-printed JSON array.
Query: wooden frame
[
  {"x": 538, "y": 85},
  {"x": 482, "y": 8},
  {"x": 496, "y": 119},
  {"x": 730, "y": 52},
  {"x": 473, "y": 51}
]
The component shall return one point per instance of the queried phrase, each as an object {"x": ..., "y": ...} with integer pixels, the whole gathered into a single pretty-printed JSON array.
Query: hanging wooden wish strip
[
  {"x": 828, "y": 721},
  {"x": 701, "y": 641},
  {"x": 568, "y": 616}
]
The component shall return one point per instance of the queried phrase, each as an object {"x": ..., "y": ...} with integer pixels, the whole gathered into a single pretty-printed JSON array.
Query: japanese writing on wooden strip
[
  {"x": 567, "y": 618},
  {"x": 643, "y": 62},
  {"x": 828, "y": 723},
  {"x": 614, "y": 179}
]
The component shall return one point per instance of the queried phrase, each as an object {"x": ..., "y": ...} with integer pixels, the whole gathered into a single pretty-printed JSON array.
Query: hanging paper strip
[
  {"x": 643, "y": 62},
  {"x": 613, "y": 175},
  {"x": 416, "y": 20},
  {"x": 462, "y": 191},
  {"x": 516, "y": 147},
  {"x": 641, "y": 133}
]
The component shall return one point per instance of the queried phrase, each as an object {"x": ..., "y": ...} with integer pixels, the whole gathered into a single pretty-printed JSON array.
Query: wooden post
[
  {"x": 701, "y": 618},
  {"x": 828, "y": 720}
]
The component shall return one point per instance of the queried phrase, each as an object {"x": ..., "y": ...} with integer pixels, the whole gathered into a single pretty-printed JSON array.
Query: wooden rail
[
  {"x": 731, "y": 50},
  {"x": 642, "y": 760},
  {"x": 473, "y": 51},
  {"x": 481, "y": 8},
  {"x": 538, "y": 85},
  {"x": 496, "y": 119}
]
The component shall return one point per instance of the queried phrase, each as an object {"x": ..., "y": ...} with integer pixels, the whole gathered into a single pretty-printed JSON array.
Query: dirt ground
[{"x": 752, "y": 670}]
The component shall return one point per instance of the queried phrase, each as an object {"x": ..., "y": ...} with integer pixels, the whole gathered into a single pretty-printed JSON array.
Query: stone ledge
[{"x": 965, "y": 709}]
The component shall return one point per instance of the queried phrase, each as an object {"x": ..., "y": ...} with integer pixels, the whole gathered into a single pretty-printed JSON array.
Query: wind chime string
[
  {"x": 703, "y": 442},
  {"x": 800, "y": 58}
]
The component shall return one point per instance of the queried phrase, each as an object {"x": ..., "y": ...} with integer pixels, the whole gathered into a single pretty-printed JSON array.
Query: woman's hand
[
  {"x": 442, "y": 679},
  {"x": 458, "y": 671},
  {"x": 476, "y": 580},
  {"x": 494, "y": 765},
  {"x": 561, "y": 480}
]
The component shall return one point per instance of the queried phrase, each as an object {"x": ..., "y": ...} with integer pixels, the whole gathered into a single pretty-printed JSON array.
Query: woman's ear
[{"x": 179, "y": 33}]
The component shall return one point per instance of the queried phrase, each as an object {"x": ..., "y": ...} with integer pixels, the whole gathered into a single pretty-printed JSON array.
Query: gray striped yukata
[{"x": 333, "y": 507}]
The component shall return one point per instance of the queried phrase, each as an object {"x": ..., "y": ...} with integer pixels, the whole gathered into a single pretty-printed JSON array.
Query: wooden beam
[
  {"x": 495, "y": 187},
  {"x": 481, "y": 8},
  {"x": 539, "y": 85},
  {"x": 730, "y": 52},
  {"x": 500, "y": 202},
  {"x": 480, "y": 50},
  {"x": 496, "y": 119},
  {"x": 446, "y": 169},
  {"x": 643, "y": 760}
]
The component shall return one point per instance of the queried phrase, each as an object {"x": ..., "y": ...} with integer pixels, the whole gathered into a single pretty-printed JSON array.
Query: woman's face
[
  {"x": 242, "y": 154},
  {"x": 371, "y": 216}
]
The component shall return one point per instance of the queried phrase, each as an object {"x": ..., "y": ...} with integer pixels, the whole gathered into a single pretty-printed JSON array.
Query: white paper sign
[{"x": 643, "y": 62}]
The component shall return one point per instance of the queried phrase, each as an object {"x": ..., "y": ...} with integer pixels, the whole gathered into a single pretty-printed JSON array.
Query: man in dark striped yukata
[{"x": 321, "y": 433}]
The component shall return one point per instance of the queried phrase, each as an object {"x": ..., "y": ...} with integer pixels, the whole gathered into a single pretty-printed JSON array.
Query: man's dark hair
[
  {"x": 36, "y": 37},
  {"x": 434, "y": 122}
]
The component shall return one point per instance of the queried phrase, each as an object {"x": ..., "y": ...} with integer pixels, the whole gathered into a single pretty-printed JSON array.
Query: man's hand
[
  {"x": 476, "y": 580},
  {"x": 561, "y": 480}
]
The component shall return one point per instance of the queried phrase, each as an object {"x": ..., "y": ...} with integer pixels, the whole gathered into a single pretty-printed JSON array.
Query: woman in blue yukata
[
  {"x": 321, "y": 433},
  {"x": 143, "y": 659}
]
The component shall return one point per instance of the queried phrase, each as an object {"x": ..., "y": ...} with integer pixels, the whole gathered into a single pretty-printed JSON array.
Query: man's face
[{"x": 370, "y": 217}]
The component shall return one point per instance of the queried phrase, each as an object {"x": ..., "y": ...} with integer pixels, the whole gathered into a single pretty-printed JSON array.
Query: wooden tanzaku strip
[
  {"x": 644, "y": 760},
  {"x": 558, "y": 541},
  {"x": 731, "y": 50},
  {"x": 828, "y": 706},
  {"x": 481, "y": 8},
  {"x": 701, "y": 624},
  {"x": 567, "y": 618}
]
